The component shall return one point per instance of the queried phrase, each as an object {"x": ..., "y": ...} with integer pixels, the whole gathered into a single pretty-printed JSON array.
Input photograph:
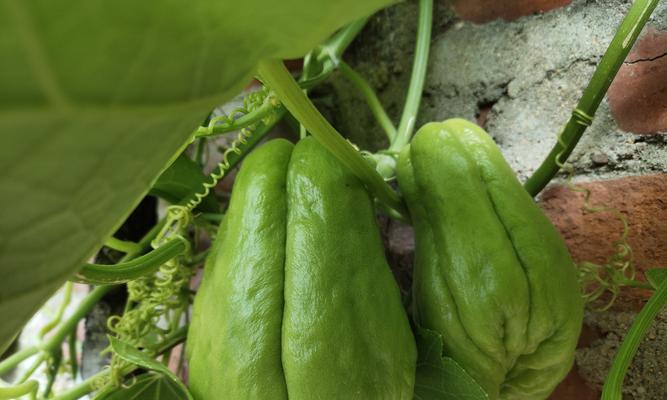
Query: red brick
[
  {"x": 638, "y": 95},
  {"x": 574, "y": 387},
  {"x": 481, "y": 11},
  {"x": 590, "y": 237}
]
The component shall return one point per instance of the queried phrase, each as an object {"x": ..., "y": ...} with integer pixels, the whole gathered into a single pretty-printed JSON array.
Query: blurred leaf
[
  {"x": 655, "y": 276},
  {"x": 147, "y": 386},
  {"x": 130, "y": 354},
  {"x": 440, "y": 377},
  {"x": 182, "y": 178}
]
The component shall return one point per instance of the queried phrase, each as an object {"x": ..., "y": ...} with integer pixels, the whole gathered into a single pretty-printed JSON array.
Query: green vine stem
[
  {"x": 60, "y": 334},
  {"x": 15, "y": 392},
  {"x": 41, "y": 357},
  {"x": 53, "y": 368},
  {"x": 92, "y": 383},
  {"x": 341, "y": 40},
  {"x": 73, "y": 362},
  {"x": 67, "y": 297},
  {"x": 201, "y": 155},
  {"x": 328, "y": 55},
  {"x": 417, "y": 78},
  {"x": 70, "y": 324},
  {"x": 245, "y": 141},
  {"x": 275, "y": 75},
  {"x": 371, "y": 99},
  {"x": 628, "y": 349},
  {"x": 582, "y": 116},
  {"x": 15, "y": 359},
  {"x": 268, "y": 106},
  {"x": 99, "y": 274},
  {"x": 124, "y": 246}
]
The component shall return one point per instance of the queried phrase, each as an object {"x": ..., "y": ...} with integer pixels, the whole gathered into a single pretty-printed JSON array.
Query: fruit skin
[
  {"x": 346, "y": 334},
  {"x": 234, "y": 341},
  {"x": 492, "y": 275},
  {"x": 297, "y": 300}
]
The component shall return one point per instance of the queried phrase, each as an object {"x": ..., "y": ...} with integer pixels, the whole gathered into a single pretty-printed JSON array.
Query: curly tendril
[
  {"x": 580, "y": 118},
  {"x": 256, "y": 106},
  {"x": 260, "y": 110},
  {"x": 100, "y": 381},
  {"x": 156, "y": 302},
  {"x": 618, "y": 270},
  {"x": 221, "y": 169},
  {"x": 178, "y": 219}
]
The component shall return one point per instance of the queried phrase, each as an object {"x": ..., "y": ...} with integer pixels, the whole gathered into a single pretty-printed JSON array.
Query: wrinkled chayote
[
  {"x": 492, "y": 275},
  {"x": 297, "y": 300}
]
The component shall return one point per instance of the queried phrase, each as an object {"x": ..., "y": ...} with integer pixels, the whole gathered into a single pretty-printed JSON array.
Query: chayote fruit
[
  {"x": 297, "y": 300},
  {"x": 492, "y": 275},
  {"x": 98, "y": 97}
]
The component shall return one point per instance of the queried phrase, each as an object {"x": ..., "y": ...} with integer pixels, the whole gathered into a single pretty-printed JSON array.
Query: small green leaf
[
  {"x": 655, "y": 276},
  {"x": 440, "y": 377},
  {"x": 130, "y": 354},
  {"x": 148, "y": 386},
  {"x": 182, "y": 178}
]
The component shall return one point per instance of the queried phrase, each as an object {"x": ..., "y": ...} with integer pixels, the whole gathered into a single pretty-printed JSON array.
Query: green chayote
[
  {"x": 96, "y": 99},
  {"x": 297, "y": 300},
  {"x": 492, "y": 275}
]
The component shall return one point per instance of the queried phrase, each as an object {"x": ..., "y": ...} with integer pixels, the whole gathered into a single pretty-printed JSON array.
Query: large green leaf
[{"x": 97, "y": 97}]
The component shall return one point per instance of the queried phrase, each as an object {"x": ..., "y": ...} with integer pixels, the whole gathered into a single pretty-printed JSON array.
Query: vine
[
  {"x": 156, "y": 302},
  {"x": 100, "y": 274},
  {"x": 157, "y": 283},
  {"x": 625, "y": 37},
  {"x": 274, "y": 73},
  {"x": 158, "y": 299},
  {"x": 417, "y": 78},
  {"x": 257, "y": 105},
  {"x": 246, "y": 139},
  {"x": 614, "y": 382}
]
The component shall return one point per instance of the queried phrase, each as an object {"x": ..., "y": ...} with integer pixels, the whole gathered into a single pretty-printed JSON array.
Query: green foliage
[
  {"x": 612, "y": 386},
  {"x": 440, "y": 377},
  {"x": 143, "y": 266},
  {"x": 148, "y": 386},
  {"x": 180, "y": 180},
  {"x": 97, "y": 99},
  {"x": 655, "y": 276},
  {"x": 26, "y": 388},
  {"x": 131, "y": 355}
]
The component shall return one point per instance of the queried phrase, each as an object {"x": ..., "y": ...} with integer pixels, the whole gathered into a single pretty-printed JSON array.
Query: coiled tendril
[
  {"x": 155, "y": 302},
  {"x": 221, "y": 169},
  {"x": 251, "y": 103},
  {"x": 618, "y": 270},
  {"x": 255, "y": 105}
]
